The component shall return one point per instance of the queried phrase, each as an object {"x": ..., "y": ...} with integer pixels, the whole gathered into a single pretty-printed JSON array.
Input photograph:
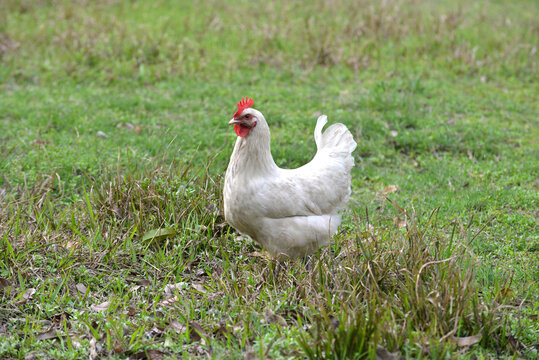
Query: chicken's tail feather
[
  {"x": 337, "y": 137},
  {"x": 322, "y": 120}
]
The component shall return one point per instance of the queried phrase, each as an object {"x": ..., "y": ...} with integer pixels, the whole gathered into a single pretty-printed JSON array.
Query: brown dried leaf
[
  {"x": 117, "y": 347},
  {"x": 93, "y": 349},
  {"x": 199, "y": 288},
  {"x": 170, "y": 288},
  {"x": 26, "y": 296},
  {"x": 390, "y": 189},
  {"x": 100, "y": 307},
  {"x": 81, "y": 288},
  {"x": 200, "y": 273},
  {"x": 197, "y": 333},
  {"x": 75, "y": 342},
  {"x": 128, "y": 126},
  {"x": 177, "y": 326},
  {"x": 72, "y": 244},
  {"x": 169, "y": 301},
  {"x": 60, "y": 317},
  {"x": 131, "y": 311},
  {"x": 507, "y": 292},
  {"x": 29, "y": 293},
  {"x": 155, "y": 332},
  {"x": 467, "y": 340},
  {"x": 47, "y": 335},
  {"x": 139, "y": 284}
]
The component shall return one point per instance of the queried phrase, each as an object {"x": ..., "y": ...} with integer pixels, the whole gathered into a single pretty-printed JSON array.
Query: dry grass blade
[
  {"x": 423, "y": 267},
  {"x": 48, "y": 335},
  {"x": 101, "y": 307}
]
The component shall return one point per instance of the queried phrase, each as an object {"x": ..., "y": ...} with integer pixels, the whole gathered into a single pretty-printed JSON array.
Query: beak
[{"x": 245, "y": 123}]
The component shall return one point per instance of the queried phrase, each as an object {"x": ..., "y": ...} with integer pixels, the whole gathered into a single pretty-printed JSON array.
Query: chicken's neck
[{"x": 252, "y": 154}]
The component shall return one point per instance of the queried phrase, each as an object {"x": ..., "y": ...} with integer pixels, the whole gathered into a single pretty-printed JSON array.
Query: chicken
[{"x": 289, "y": 212}]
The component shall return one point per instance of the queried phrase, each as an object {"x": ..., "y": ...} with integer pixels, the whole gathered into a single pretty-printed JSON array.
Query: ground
[{"x": 113, "y": 119}]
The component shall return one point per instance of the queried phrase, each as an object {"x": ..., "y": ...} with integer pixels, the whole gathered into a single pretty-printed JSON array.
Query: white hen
[{"x": 288, "y": 212}]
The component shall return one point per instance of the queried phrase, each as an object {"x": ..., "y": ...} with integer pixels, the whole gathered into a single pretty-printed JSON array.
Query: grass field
[{"x": 113, "y": 119}]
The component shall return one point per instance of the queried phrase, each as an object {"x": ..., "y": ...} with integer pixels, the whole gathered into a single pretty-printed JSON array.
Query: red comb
[{"x": 243, "y": 104}]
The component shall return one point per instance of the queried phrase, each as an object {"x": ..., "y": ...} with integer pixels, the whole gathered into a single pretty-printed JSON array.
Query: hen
[{"x": 288, "y": 212}]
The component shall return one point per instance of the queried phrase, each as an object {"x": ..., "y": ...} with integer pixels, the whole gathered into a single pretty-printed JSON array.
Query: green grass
[{"x": 113, "y": 119}]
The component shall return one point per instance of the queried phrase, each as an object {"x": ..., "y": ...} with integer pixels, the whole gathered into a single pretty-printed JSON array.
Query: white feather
[{"x": 320, "y": 123}]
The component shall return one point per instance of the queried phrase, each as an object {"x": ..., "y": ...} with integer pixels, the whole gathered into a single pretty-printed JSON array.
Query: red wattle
[{"x": 241, "y": 131}]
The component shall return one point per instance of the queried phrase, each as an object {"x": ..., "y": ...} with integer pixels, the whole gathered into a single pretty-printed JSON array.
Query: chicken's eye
[{"x": 247, "y": 116}]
